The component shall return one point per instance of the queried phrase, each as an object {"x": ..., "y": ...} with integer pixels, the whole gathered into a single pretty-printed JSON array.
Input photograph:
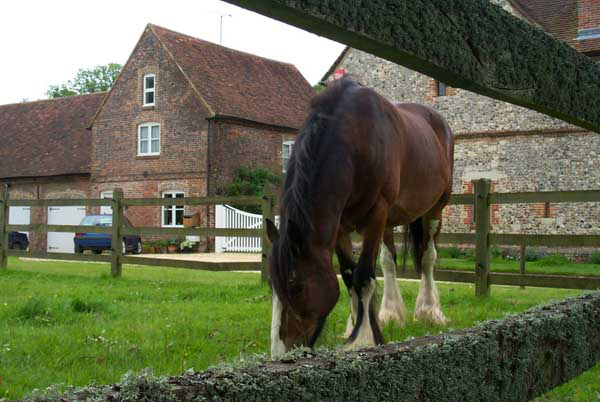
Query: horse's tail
[{"x": 413, "y": 236}]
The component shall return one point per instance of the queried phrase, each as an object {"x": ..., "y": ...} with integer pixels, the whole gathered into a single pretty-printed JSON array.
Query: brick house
[
  {"x": 181, "y": 117},
  {"x": 517, "y": 148},
  {"x": 45, "y": 153}
]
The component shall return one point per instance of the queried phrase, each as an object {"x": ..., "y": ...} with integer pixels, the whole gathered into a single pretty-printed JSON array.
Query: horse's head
[{"x": 305, "y": 289}]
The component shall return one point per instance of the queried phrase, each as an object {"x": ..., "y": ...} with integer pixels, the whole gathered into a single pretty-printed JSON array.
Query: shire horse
[{"x": 360, "y": 164}]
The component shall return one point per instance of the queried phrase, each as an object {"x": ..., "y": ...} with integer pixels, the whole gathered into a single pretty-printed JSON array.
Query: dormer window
[{"x": 149, "y": 89}]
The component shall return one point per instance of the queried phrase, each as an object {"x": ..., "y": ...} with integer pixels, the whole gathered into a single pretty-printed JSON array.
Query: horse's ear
[{"x": 272, "y": 232}]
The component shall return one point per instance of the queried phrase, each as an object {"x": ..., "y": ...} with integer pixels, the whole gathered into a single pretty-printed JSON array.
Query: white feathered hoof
[
  {"x": 395, "y": 314},
  {"x": 431, "y": 314}
]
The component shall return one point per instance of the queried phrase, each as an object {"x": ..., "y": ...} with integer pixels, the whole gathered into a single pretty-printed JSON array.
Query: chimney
[{"x": 588, "y": 19}]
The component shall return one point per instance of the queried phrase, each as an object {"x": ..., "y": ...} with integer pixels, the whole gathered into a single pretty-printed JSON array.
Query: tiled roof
[
  {"x": 239, "y": 84},
  {"x": 48, "y": 137},
  {"x": 557, "y": 17}
]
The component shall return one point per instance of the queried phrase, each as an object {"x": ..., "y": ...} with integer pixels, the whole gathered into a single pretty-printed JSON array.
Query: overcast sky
[{"x": 44, "y": 43}]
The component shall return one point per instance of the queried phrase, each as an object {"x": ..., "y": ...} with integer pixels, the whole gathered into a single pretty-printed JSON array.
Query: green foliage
[
  {"x": 250, "y": 181},
  {"x": 594, "y": 258},
  {"x": 320, "y": 86},
  {"x": 87, "y": 81},
  {"x": 554, "y": 260},
  {"x": 450, "y": 252}
]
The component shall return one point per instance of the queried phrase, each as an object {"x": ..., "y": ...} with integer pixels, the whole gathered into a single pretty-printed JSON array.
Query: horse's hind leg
[
  {"x": 392, "y": 305},
  {"x": 427, "y": 307},
  {"x": 343, "y": 250}
]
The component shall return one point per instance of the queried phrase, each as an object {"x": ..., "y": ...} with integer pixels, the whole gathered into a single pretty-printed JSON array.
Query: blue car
[{"x": 103, "y": 241}]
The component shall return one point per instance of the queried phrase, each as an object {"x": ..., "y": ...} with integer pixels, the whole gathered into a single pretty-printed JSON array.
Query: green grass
[
  {"x": 553, "y": 265},
  {"x": 72, "y": 323}
]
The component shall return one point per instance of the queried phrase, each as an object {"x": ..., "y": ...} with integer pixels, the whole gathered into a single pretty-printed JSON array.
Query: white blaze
[{"x": 277, "y": 345}]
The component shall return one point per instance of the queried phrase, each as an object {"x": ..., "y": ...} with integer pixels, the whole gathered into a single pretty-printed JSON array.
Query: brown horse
[{"x": 359, "y": 164}]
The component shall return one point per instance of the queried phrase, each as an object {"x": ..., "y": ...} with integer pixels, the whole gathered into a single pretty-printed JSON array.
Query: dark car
[
  {"x": 102, "y": 241},
  {"x": 17, "y": 240}
]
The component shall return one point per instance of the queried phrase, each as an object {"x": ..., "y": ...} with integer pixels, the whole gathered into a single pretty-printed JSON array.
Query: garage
[
  {"x": 61, "y": 242},
  {"x": 19, "y": 216}
]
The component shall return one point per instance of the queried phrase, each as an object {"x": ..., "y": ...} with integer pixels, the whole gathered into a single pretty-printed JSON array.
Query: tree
[
  {"x": 87, "y": 81},
  {"x": 250, "y": 181}
]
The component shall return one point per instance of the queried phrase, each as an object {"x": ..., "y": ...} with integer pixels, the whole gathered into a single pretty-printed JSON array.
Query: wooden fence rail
[
  {"x": 118, "y": 230},
  {"x": 483, "y": 238}
]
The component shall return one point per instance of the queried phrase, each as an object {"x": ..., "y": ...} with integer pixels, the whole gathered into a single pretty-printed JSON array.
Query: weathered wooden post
[
  {"x": 482, "y": 229},
  {"x": 522, "y": 262},
  {"x": 116, "y": 246},
  {"x": 268, "y": 206},
  {"x": 4, "y": 216}
]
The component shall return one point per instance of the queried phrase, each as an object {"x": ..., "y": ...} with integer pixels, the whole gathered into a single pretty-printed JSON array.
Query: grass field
[{"x": 63, "y": 322}]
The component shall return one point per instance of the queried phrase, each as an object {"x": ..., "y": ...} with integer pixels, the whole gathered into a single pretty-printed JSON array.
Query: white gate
[{"x": 231, "y": 218}]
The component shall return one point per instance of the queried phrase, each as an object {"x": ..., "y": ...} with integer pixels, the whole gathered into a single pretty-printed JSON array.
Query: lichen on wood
[
  {"x": 514, "y": 359},
  {"x": 470, "y": 44}
]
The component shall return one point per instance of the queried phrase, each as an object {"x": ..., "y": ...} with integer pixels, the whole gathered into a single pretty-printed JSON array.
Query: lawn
[{"x": 64, "y": 322}]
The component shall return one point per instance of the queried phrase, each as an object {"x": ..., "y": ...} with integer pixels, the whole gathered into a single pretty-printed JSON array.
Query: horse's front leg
[
  {"x": 343, "y": 250},
  {"x": 366, "y": 330}
]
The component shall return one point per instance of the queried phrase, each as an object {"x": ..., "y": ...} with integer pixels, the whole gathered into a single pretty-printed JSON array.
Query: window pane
[
  {"x": 155, "y": 132},
  {"x": 155, "y": 146},
  {"x": 167, "y": 195},
  {"x": 167, "y": 216},
  {"x": 143, "y": 147},
  {"x": 179, "y": 195},
  {"x": 179, "y": 216},
  {"x": 143, "y": 133},
  {"x": 149, "y": 82},
  {"x": 149, "y": 97}
]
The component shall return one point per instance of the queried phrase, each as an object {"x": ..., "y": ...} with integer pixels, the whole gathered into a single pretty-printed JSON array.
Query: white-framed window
[
  {"x": 172, "y": 215},
  {"x": 149, "y": 89},
  {"x": 148, "y": 139},
  {"x": 286, "y": 151},
  {"x": 106, "y": 209}
]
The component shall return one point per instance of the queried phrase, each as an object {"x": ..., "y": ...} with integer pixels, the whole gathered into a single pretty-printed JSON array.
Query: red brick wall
[
  {"x": 235, "y": 144},
  {"x": 178, "y": 109},
  {"x": 588, "y": 14},
  {"x": 64, "y": 187}
]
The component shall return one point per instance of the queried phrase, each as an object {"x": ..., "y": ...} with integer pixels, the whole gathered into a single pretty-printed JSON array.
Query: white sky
[{"x": 44, "y": 43}]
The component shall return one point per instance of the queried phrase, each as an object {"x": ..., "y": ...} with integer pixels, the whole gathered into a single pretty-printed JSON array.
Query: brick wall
[
  {"x": 179, "y": 111},
  {"x": 234, "y": 144},
  {"x": 588, "y": 14}
]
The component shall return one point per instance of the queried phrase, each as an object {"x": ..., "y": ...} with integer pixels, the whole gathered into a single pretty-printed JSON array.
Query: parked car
[
  {"x": 18, "y": 240},
  {"x": 103, "y": 241}
]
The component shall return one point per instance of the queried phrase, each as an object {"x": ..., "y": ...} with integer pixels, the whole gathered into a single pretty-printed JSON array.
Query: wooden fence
[
  {"x": 483, "y": 238},
  {"x": 118, "y": 230}
]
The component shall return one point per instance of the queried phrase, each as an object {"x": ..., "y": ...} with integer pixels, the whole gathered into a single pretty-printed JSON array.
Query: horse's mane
[{"x": 302, "y": 170}]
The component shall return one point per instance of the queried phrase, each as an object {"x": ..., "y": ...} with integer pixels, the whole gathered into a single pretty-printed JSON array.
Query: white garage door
[
  {"x": 60, "y": 242},
  {"x": 19, "y": 216}
]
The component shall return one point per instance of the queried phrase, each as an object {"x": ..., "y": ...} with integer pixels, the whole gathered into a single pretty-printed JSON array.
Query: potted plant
[
  {"x": 172, "y": 246},
  {"x": 186, "y": 246}
]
